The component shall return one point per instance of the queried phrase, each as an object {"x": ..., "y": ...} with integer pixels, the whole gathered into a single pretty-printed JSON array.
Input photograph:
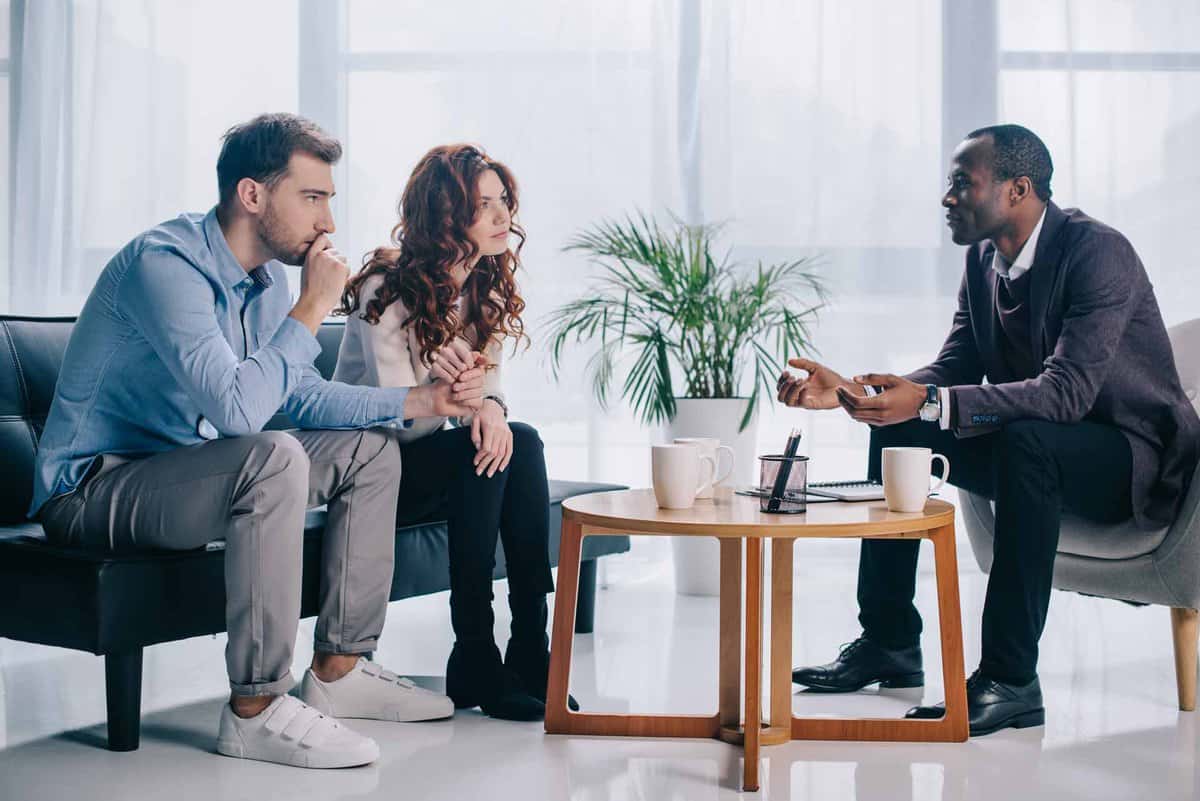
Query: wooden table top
[{"x": 732, "y": 515}]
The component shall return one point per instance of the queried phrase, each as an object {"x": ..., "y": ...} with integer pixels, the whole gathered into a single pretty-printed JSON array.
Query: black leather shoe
[
  {"x": 531, "y": 664},
  {"x": 993, "y": 705},
  {"x": 863, "y": 662},
  {"x": 476, "y": 677}
]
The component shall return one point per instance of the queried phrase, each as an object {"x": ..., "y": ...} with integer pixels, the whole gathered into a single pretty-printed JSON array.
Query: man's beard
[{"x": 273, "y": 234}]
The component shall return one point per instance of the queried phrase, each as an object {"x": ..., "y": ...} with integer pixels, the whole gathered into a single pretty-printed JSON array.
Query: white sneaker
[
  {"x": 369, "y": 691},
  {"x": 292, "y": 733}
]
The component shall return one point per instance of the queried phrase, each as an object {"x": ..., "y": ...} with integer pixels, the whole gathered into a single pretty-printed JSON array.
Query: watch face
[{"x": 930, "y": 412}]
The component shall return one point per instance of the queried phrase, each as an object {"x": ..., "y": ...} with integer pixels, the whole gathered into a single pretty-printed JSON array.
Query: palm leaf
[{"x": 663, "y": 295}]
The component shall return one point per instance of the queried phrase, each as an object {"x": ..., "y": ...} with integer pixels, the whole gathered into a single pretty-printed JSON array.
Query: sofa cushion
[
  {"x": 30, "y": 352},
  {"x": 102, "y": 602},
  {"x": 1082, "y": 537}
]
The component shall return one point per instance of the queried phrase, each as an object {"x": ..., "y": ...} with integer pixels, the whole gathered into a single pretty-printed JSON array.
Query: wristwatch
[
  {"x": 931, "y": 409},
  {"x": 499, "y": 402}
]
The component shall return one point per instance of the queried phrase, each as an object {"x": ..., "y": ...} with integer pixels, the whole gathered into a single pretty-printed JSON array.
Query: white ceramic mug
[
  {"x": 906, "y": 474},
  {"x": 712, "y": 448},
  {"x": 679, "y": 472}
]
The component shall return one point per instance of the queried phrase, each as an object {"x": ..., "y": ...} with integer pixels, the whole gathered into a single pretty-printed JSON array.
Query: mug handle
[
  {"x": 717, "y": 479},
  {"x": 945, "y": 473},
  {"x": 712, "y": 471}
]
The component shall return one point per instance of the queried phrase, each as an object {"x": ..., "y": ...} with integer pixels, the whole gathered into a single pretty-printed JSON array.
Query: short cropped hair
[
  {"x": 261, "y": 149},
  {"x": 1018, "y": 151}
]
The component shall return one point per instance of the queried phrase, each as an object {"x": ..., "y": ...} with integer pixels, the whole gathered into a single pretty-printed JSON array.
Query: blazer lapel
[{"x": 1046, "y": 261}]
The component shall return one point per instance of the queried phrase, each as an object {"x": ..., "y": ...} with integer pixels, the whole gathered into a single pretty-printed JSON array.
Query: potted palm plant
[{"x": 681, "y": 328}]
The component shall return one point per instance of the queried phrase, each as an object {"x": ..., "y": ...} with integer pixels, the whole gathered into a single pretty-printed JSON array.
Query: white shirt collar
[{"x": 1024, "y": 260}]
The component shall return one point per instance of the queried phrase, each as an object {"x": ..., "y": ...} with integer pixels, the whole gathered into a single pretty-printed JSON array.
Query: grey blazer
[{"x": 1105, "y": 356}]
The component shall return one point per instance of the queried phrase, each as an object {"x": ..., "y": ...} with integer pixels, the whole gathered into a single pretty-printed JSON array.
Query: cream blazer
[{"x": 388, "y": 355}]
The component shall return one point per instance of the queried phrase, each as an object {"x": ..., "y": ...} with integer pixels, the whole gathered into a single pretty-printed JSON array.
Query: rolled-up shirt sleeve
[
  {"x": 170, "y": 303},
  {"x": 318, "y": 403}
]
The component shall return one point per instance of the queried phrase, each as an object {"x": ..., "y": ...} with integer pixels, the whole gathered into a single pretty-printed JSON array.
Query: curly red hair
[{"x": 439, "y": 203}]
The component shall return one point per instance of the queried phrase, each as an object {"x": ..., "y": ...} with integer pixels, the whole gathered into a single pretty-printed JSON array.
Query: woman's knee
[{"x": 525, "y": 436}]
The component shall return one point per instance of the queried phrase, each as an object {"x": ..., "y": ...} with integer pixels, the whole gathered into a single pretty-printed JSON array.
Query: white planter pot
[{"x": 697, "y": 559}]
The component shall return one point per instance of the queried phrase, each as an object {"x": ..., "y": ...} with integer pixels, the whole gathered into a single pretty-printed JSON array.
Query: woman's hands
[
  {"x": 492, "y": 438},
  {"x": 455, "y": 357},
  {"x": 490, "y": 433},
  {"x": 459, "y": 398}
]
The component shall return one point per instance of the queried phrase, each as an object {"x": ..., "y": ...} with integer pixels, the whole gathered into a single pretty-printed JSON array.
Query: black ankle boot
[
  {"x": 476, "y": 677},
  {"x": 530, "y": 663},
  {"x": 528, "y": 651}
]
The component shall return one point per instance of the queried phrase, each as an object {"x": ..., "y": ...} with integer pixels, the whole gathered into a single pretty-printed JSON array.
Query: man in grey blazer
[{"x": 1082, "y": 409}]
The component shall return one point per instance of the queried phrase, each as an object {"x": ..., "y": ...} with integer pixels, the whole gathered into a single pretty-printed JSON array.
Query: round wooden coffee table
[{"x": 735, "y": 519}]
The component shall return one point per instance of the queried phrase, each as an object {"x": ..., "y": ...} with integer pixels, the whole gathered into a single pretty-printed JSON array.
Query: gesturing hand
[
  {"x": 492, "y": 438},
  {"x": 818, "y": 390},
  {"x": 900, "y": 400}
]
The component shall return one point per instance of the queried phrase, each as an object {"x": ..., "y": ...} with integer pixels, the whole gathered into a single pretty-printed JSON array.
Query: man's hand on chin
[{"x": 900, "y": 400}]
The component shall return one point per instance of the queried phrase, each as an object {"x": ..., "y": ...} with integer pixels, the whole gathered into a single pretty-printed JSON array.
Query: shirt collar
[
  {"x": 228, "y": 267},
  {"x": 1024, "y": 261}
]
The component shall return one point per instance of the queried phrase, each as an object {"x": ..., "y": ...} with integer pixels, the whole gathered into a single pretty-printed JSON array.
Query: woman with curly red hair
[{"x": 436, "y": 304}]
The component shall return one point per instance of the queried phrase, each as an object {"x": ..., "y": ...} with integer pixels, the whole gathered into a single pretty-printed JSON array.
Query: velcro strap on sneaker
[
  {"x": 285, "y": 710},
  {"x": 299, "y": 725},
  {"x": 372, "y": 669},
  {"x": 319, "y": 732}
]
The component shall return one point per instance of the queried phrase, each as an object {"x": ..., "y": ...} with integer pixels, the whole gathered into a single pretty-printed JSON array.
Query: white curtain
[
  {"x": 40, "y": 251},
  {"x": 811, "y": 126},
  {"x": 1113, "y": 87},
  {"x": 122, "y": 105}
]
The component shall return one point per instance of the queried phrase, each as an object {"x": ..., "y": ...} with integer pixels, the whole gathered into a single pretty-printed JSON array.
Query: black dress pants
[
  {"x": 438, "y": 482},
  {"x": 1033, "y": 470}
]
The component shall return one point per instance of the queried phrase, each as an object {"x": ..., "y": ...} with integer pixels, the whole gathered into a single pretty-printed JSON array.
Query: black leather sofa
[{"x": 116, "y": 605}]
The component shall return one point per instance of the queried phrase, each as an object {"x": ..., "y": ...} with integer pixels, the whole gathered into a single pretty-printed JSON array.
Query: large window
[
  {"x": 809, "y": 126},
  {"x": 1114, "y": 89}
]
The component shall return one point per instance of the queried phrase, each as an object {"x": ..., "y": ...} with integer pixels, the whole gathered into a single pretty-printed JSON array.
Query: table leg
[
  {"x": 557, "y": 713},
  {"x": 560, "y": 719},
  {"x": 945, "y": 561},
  {"x": 729, "y": 666},
  {"x": 781, "y": 635},
  {"x": 752, "y": 727},
  {"x": 953, "y": 727}
]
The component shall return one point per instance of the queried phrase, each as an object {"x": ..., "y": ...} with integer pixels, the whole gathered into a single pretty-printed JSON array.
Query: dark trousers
[
  {"x": 438, "y": 481},
  {"x": 1033, "y": 470}
]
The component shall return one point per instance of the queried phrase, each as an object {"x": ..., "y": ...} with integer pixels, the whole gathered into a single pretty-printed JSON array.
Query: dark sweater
[{"x": 1016, "y": 345}]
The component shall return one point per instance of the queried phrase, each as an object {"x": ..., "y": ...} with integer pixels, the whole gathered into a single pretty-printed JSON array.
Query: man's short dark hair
[
  {"x": 261, "y": 148},
  {"x": 1018, "y": 151}
]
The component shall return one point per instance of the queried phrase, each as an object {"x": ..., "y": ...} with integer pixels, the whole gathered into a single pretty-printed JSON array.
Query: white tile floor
[{"x": 1113, "y": 730}]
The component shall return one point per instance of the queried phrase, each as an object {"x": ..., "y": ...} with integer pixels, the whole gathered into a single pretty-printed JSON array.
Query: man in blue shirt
[{"x": 188, "y": 344}]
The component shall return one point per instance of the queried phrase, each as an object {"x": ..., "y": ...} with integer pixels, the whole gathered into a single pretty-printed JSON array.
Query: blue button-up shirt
[{"x": 177, "y": 345}]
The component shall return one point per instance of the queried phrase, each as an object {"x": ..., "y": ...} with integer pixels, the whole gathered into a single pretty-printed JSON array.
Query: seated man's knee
[
  {"x": 380, "y": 450},
  {"x": 1024, "y": 440},
  {"x": 284, "y": 459}
]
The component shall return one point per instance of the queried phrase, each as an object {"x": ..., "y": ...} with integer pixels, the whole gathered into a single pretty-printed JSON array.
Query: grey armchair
[{"x": 1123, "y": 562}]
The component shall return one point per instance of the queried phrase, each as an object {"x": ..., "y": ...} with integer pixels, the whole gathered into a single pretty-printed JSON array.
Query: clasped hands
[
  {"x": 822, "y": 388},
  {"x": 462, "y": 368}
]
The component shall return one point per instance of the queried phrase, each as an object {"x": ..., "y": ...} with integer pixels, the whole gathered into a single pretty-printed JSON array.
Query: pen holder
[{"x": 794, "y": 498}]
